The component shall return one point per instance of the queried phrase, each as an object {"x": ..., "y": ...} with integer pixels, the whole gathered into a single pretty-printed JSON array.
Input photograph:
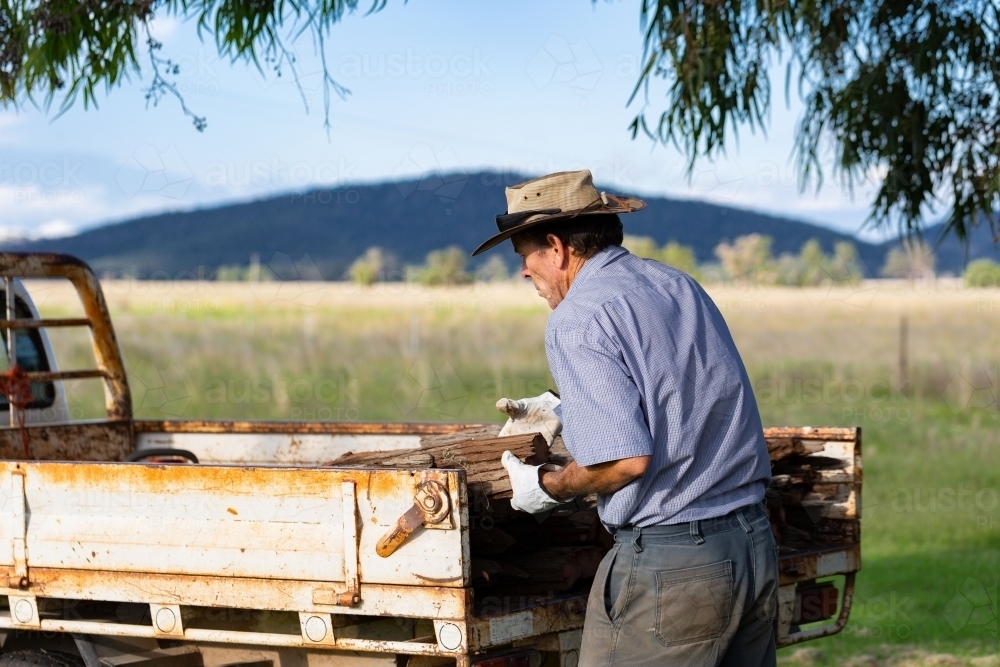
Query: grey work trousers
[{"x": 700, "y": 593}]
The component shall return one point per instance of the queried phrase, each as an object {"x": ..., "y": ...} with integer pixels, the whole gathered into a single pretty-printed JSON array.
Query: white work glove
[
  {"x": 529, "y": 496},
  {"x": 532, "y": 415}
]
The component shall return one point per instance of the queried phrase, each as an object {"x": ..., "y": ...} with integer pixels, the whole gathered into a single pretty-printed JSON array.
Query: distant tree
[
  {"x": 982, "y": 273},
  {"x": 445, "y": 267},
  {"x": 907, "y": 89},
  {"x": 680, "y": 257},
  {"x": 230, "y": 273},
  {"x": 370, "y": 268},
  {"x": 813, "y": 267},
  {"x": 672, "y": 254},
  {"x": 845, "y": 266},
  {"x": 814, "y": 263},
  {"x": 492, "y": 270},
  {"x": 641, "y": 246},
  {"x": 748, "y": 259},
  {"x": 913, "y": 261},
  {"x": 238, "y": 273}
]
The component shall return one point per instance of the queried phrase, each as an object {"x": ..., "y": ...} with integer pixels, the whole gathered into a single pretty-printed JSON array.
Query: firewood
[
  {"x": 485, "y": 569},
  {"x": 489, "y": 541},
  {"x": 476, "y": 433},
  {"x": 780, "y": 448},
  {"x": 558, "y": 568},
  {"x": 479, "y": 456}
]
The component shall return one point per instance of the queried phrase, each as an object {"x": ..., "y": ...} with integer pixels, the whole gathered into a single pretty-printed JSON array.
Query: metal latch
[{"x": 431, "y": 508}]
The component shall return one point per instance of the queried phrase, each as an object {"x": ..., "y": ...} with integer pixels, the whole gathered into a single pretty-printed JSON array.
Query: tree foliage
[
  {"x": 982, "y": 273},
  {"x": 672, "y": 254},
  {"x": 64, "y": 50},
  {"x": 905, "y": 92},
  {"x": 493, "y": 270},
  {"x": 912, "y": 261},
  {"x": 445, "y": 267},
  {"x": 369, "y": 268},
  {"x": 748, "y": 260}
]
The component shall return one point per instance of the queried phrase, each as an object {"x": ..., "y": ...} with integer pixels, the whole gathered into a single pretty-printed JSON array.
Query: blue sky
[{"x": 435, "y": 85}]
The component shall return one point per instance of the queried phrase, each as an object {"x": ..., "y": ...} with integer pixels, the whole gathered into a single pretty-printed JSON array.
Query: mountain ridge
[{"x": 409, "y": 218}]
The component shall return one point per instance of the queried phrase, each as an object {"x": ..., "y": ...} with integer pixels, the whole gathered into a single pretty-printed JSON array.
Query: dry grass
[
  {"x": 816, "y": 356},
  {"x": 771, "y": 324}
]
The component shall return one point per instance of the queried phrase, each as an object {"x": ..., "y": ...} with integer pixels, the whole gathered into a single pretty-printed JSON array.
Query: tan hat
[{"x": 560, "y": 196}]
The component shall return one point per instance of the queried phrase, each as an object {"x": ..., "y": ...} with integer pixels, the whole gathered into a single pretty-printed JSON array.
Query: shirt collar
[{"x": 597, "y": 262}]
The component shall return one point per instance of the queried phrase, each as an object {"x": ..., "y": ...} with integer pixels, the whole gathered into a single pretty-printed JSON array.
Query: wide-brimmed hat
[{"x": 561, "y": 196}]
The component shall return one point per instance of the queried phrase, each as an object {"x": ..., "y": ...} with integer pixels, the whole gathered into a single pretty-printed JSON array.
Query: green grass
[
  {"x": 931, "y": 526},
  {"x": 930, "y": 533}
]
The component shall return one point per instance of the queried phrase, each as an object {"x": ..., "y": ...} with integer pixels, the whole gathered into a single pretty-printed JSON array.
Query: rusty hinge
[{"x": 431, "y": 509}]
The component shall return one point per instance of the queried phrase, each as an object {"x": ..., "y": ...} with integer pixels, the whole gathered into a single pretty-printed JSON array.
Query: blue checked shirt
[{"x": 646, "y": 366}]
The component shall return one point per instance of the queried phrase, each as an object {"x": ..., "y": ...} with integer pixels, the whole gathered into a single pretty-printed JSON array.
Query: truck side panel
[{"x": 222, "y": 521}]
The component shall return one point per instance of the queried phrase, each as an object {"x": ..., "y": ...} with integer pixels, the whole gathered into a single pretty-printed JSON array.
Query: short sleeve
[{"x": 602, "y": 412}]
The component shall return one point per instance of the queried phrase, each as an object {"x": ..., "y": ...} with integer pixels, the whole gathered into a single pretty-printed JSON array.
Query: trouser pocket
[
  {"x": 693, "y": 604},
  {"x": 614, "y": 586}
]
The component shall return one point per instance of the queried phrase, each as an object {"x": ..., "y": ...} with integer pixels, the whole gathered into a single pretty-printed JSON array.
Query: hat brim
[{"x": 628, "y": 205}]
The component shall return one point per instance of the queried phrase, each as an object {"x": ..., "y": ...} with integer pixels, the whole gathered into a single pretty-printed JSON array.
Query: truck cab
[{"x": 33, "y": 353}]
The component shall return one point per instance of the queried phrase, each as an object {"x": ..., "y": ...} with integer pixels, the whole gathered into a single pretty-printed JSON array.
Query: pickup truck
[{"x": 201, "y": 543}]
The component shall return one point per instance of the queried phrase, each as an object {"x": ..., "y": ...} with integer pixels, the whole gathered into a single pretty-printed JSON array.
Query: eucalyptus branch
[{"x": 160, "y": 87}]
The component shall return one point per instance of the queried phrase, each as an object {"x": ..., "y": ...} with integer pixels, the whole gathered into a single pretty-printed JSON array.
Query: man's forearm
[{"x": 575, "y": 480}]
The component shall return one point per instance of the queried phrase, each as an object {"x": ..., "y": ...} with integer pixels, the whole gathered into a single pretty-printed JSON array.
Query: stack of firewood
[
  {"x": 811, "y": 503},
  {"x": 810, "y": 500},
  {"x": 513, "y": 553}
]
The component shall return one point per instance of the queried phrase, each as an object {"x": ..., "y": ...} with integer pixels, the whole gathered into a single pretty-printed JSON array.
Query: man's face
[{"x": 546, "y": 266}]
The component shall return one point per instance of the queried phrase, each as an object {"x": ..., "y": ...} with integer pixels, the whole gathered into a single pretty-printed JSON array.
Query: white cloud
[
  {"x": 49, "y": 212},
  {"x": 56, "y": 228},
  {"x": 163, "y": 27},
  {"x": 8, "y": 121}
]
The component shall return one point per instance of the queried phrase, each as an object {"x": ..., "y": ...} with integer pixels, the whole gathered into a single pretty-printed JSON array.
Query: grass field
[{"x": 928, "y": 591}]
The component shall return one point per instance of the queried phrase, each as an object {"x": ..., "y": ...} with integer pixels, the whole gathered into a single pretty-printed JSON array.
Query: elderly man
[{"x": 658, "y": 413}]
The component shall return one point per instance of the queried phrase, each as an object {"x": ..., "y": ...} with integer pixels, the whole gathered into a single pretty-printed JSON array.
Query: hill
[{"x": 407, "y": 218}]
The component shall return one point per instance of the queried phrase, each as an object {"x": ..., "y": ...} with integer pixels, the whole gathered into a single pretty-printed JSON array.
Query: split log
[
  {"x": 488, "y": 570},
  {"x": 479, "y": 433},
  {"x": 489, "y": 541},
  {"x": 559, "y": 568},
  {"x": 479, "y": 456},
  {"x": 781, "y": 448}
]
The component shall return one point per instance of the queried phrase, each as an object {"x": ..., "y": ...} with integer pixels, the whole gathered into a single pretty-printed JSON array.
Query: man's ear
[{"x": 560, "y": 248}]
